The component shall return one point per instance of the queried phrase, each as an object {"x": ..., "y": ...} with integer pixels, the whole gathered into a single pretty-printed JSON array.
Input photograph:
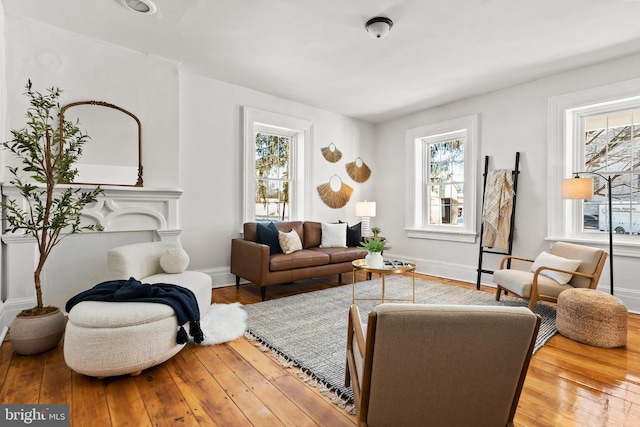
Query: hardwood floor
[{"x": 236, "y": 384}]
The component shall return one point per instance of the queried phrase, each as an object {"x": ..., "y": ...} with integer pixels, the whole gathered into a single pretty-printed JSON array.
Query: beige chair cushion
[
  {"x": 589, "y": 258},
  {"x": 519, "y": 282}
]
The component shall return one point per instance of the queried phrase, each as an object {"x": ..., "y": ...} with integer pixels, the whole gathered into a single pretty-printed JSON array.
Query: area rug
[
  {"x": 310, "y": 330},
  {"x": 222, "y": 323}
]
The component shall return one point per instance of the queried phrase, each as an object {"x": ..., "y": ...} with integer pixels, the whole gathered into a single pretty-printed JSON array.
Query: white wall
[
  {"x": 211, "y": 164},
  {"x": 513, "y": 119},
  {"x": 87, "y": 69}
]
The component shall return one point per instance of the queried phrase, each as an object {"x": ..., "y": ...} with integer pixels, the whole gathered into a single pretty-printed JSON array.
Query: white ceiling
[{"x": 318, "y": 52}]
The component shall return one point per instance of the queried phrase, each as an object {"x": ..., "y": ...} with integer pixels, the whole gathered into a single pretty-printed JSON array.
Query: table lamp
[{"x": 366, "y": 210}]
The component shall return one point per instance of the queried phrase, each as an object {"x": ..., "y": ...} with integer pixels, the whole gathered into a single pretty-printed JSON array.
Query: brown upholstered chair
[
  {"x": 536, "y": 285},
  {"x": 438, "y": 365}
]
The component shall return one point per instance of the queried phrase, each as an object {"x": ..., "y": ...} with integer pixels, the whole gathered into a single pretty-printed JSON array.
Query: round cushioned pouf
[{"x": 592, "y": 317}]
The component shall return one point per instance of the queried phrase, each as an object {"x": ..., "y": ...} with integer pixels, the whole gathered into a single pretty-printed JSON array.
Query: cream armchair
[
  {"x": 439, "y": 365},
  {"x": 568, "y": 266}
]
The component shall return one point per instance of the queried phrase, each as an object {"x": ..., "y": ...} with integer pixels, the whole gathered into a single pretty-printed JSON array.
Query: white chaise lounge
[{"x": 110, "y": 338}]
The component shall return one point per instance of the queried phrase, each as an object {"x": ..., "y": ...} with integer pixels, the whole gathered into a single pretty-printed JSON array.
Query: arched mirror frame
[{"x": 115, "y": 107}]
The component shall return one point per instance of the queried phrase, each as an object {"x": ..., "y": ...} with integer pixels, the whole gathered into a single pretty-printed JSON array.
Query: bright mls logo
[{"x": 37, "y": 415}]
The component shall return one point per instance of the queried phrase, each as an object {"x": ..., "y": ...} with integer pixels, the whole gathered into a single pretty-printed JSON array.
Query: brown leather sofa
[{"x": 251, "y": 260}]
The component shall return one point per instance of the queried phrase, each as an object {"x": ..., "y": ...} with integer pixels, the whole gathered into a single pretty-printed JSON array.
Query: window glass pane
[
  {"x": 272, "y": 162},
  {"x": 445, "y": 180},
  {"x": 611, "y": 147}
]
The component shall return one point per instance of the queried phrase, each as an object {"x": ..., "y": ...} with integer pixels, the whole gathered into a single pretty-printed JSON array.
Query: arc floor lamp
[{"x": 582, "y": 188}]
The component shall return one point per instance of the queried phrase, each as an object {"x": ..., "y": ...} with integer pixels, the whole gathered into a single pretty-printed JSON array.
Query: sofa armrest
[{"x": 250, "y": 260}]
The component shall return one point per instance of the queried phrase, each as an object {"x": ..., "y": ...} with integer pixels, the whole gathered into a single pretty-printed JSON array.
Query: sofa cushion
[
  {"x": 289, "y": 242},
  {"x": 299, "y": 259},
  {"x": 333, "y": 235},
  {"x": 354, "y": 235},
  {"x": 338, "y": 255},
  {"x": 174, "y": 260},
  {"x": 269, "y": 235},
  {"x": 312, "y": 234}
]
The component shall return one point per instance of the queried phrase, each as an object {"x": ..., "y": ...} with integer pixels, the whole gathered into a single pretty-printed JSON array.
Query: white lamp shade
[
  {"x": 577, "y": 188},
  {"x": 366, "y": 209}
]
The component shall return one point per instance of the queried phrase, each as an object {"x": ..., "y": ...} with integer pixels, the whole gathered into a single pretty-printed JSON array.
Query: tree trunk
[{"x": 37, "y": 282}]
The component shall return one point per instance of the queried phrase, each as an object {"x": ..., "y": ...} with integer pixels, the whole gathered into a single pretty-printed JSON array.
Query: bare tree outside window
[
  {"x": 612, "y": 148},
  {"x": 272, "y": 173},
  {"x": 446, "y": 181}
]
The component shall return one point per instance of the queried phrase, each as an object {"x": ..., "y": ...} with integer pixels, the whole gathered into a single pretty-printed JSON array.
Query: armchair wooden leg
[
  {"x": 498, "y": 292},
  {"x": 263, "y": 292},
  {"x": 532, "y": 303},
  {"x": 347, "y": 375},
  {"x": 237, "y": 282}
]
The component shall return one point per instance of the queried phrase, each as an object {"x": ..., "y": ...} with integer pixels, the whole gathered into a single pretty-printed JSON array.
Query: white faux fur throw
[{"x": 223, "y": 322}]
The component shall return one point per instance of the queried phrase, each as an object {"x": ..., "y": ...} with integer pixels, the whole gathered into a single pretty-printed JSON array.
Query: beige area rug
[{"x": 310, "y": 330}]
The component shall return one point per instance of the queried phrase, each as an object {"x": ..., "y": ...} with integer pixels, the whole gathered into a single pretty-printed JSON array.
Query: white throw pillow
[
  {"x": 289, "y": 242},
  {"x": 334, "y": 235},
  {"x": 550, "y": 260},
  {"x": 174, "y": 260}
]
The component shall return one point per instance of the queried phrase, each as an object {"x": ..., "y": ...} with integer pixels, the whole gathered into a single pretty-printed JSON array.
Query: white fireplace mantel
[{"x": 118, "y": 209}]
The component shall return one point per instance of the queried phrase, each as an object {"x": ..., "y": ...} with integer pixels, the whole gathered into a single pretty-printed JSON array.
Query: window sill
[{"x": 442, "y": 234}]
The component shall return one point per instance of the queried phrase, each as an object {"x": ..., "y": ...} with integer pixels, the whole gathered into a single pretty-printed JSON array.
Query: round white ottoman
[{"x": 592, "y": 317}]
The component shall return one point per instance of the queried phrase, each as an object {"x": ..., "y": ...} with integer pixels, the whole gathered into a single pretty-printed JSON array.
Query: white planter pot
[{"x": 374, "y": 260}]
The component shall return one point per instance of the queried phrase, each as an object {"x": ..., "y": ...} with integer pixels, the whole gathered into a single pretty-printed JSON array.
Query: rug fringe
[{"x": 307, "y": 377}]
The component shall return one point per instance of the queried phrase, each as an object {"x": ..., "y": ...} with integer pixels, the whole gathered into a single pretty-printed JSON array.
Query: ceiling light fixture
[
  {"x": 146, "y": 7},
  {"x": 378, "y": 27}
]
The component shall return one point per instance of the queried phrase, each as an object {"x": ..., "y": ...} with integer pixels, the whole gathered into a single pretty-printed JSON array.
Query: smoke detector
[{"x": 146, "y": 7}]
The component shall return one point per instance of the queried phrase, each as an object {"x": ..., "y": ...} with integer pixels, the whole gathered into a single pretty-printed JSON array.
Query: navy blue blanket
[{"x": 182, "y": 300}]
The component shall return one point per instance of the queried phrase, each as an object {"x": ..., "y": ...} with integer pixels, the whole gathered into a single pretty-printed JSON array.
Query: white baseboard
[
  {"x": 11, "y": 307},
  {"x": 221, "y": 277}
]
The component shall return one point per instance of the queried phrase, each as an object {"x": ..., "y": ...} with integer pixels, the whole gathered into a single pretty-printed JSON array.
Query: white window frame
[
  {"x": 566, "y": 156},
  {"x": 415, "y": 226},
  {"x": 300, "y": 132}
]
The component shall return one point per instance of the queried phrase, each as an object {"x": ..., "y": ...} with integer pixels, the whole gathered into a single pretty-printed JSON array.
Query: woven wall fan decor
[
  {"x": 331, "y": 153},
  {"x": 358, "y": 170},
  {"x": 335, "y": 198}
]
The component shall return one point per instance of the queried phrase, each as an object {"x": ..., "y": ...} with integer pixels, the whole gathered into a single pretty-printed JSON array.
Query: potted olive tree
[{"x": 48, "y": 150}]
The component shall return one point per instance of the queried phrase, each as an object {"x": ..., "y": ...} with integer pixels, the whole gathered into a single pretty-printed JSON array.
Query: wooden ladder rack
[{"x": 515, "y": 172}]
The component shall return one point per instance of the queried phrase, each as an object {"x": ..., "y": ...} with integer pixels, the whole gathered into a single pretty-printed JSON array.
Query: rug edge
[{"x": 340, "y": 399}]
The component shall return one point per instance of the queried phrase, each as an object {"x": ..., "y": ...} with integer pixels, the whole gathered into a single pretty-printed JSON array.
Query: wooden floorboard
[{"x": 237, "y": 384}]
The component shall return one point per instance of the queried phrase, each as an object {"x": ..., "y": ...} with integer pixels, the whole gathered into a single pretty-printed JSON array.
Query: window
[
  {"x": 275, "y": 169},
  {"x": 273, "y": 176},
  {"x": 611, "y": 143},
  {"x": 596, "y": 131},
  {"x": 443, "y": 184},
  {"x": 440, "y": 165}
]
